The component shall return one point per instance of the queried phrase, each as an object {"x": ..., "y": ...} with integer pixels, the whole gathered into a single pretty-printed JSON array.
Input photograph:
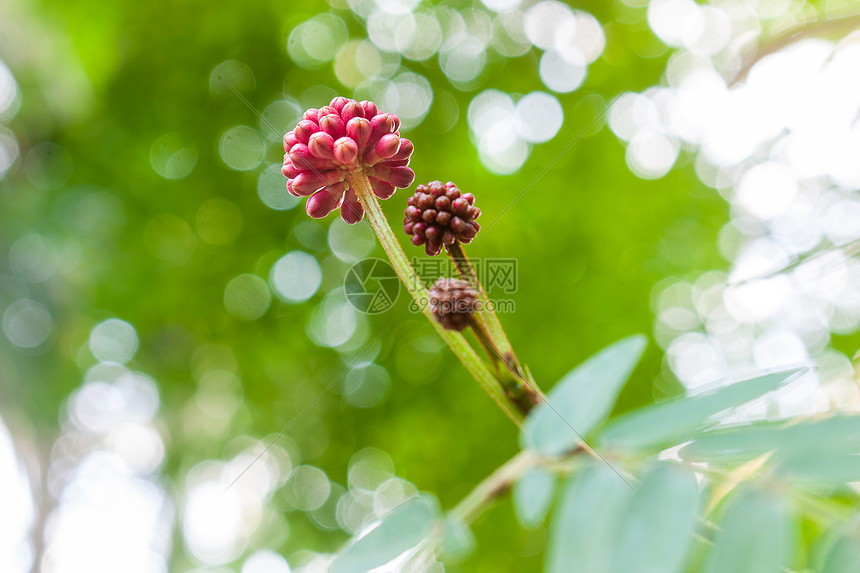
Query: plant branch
[
  {"x": 486, "y": 317},
  {"x": 455, "y": 341},
  {"x": 813, "y": 29},
  {"x": 494, "y": 486}
]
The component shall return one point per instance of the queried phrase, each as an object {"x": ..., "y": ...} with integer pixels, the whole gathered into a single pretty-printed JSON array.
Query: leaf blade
[
  {"x": 757, "y": 536},
  {"x": 834, "y": 435},
  {"x": 582, "y": 399},
  {"x": 533, "y": 495},
  {"x": 657, "y": 529},
  {"x": 404, "y": 528},
  {"x": 842, "y": 557},
  {"x": 673, "y": 421},
  {"x": 586, "y": 521}
]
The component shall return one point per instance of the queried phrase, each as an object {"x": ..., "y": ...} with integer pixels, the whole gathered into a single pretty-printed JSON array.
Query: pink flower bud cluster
[
  {"x": 343, "y": 137},
  {"x": 440, "y": 214}
]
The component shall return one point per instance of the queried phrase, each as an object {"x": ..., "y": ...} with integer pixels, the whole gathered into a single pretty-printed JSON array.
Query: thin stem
[
  {"x": 455, "y": 341},
  {"x": 494, "y": 486},
  {"x": 811, "y": 29},
  {"x": 487, "y": 316},
  {"x": 480, "y": 331}
]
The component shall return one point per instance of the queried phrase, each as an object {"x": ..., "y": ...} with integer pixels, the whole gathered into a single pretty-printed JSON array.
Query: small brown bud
[{"x": 452, "y": 302}]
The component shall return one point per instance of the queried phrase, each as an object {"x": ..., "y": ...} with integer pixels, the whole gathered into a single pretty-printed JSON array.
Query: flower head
[
  {"x": 343, "y": 137},
  {"x": 452, "y": 303},
  {"x": 440, "y": 214}
]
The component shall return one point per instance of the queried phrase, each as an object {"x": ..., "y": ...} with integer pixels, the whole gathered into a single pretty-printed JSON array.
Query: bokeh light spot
[
  {"x": 272, "y": 189},
  {"x": 171, "y": 158},
  {"x": 113, "y": 340},
  {"x": 295, "y": 277},
  {"x": 27, "y": 323},
  {"x": 247, "y": 297},
  {"x": 228, "y": 76},
  {"x": 241, "y": 148}
]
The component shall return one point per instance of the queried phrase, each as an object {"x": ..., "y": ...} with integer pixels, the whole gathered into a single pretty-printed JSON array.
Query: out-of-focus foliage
[{"x": 167, "y": 310}]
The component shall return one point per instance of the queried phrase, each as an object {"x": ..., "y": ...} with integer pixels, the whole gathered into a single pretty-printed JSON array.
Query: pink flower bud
[
  {"x": 325, "y": 201},
  {"x": 351, "y": 211},
  {"x": 289, "y": 171},
  {"x": 333, "y": 125},
  {"x": 289, "y": 140},
  {"x": 405, "y": 151},
  {"x": 401, "y": 177},
  {"x": 305, "y": 129},
  {"x": 380, "y": 125},
  {"x": 387, "y": 146},
  {"x": 307, "y": 182},
  {"x": 369, "y": 109},
  {"x": 358, "y": 129},
  {"x": 345, "y": 151},
  {"x": 321, "y": 145},
  {"x": 382, "y": 189},
  {"x": 351, "y": 109},
  {"x": 337, "y": 140},
  {"x": 338, "y": 103},
  {"x": 302, "y": 158},
  {"x": 312, "y": 114}
]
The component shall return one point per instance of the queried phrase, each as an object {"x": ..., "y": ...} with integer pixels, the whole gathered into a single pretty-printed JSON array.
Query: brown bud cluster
[
  {"x": 439, "y": 214},
  {"x": 452, "y": 302}
]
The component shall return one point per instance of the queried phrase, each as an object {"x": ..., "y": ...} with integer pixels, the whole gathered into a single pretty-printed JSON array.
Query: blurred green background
[{"x": 138, "y": 196}]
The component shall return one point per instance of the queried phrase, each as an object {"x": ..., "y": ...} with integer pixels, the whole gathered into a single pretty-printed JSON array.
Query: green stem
[
  {"x": 499, "y": 482},
  {"x": 455, "y": 341},
  {"x": 487, "y": 317}
]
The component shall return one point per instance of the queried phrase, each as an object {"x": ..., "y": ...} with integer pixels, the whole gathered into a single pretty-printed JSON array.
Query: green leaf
[
  {"x": 843, "y": 557},
  {"x": 457, "y": 541},
  {"x": 674, "y": 421},
  {"x": 657, "y": 529},
  {"x": 532, "y": 496},
  {"x": 582, "y": 399},
  {"x": 821, "y": 468},
  {"x": 758, "y": 536},
  {"x": 404, "y": 528},
  {"x": 835, "y": 435},
  {"x": 586, "y": 521}
]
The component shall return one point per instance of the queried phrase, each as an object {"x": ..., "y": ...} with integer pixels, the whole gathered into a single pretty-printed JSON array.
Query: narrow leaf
[
  {"x": 657, "y": 528},
  {"x": 532, "y": 496},
  {"x": 834, "y": 435},
  {"x": 843, "y": 557},
  {"x": 674, "y": 421},
  {"x": 586, "y": 521},
  {"x": 457, "y": 541},
  {"x": 757, "y": 536},
  {"x": 404, "y": 528},
  {"x": 821, "y": 468},
  {"x": 582, "y": 399}
]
